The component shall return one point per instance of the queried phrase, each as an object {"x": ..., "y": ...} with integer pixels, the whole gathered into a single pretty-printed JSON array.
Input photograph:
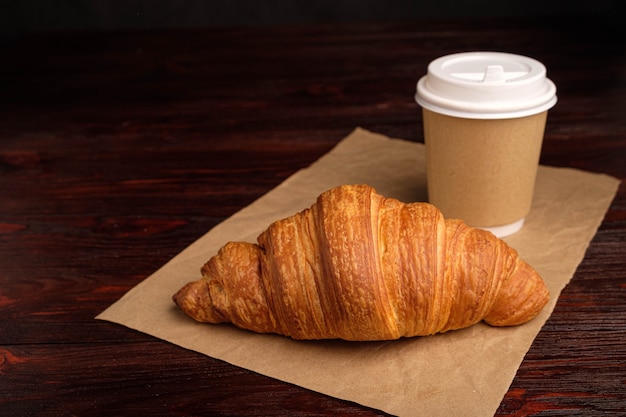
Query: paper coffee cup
[{"x": 484, "y": 119}]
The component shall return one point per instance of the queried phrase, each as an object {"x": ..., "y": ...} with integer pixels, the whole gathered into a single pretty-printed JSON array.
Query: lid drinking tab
[{"x": 494, "y": 74}]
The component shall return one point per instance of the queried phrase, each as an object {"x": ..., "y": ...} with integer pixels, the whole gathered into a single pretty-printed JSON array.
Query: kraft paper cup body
[{"x": 484, "y": 118}]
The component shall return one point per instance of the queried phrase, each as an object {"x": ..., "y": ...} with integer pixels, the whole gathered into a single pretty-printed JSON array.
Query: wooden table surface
[{"x": 117, "y": 150}]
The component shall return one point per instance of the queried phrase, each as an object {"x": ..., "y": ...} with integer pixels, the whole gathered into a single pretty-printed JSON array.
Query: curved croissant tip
[
  {"x": 187, "y": 299},
  {"x": 180, "y": 295},
  {"x": 194, "y": 299},
  {"x": 519, "y": 304}
]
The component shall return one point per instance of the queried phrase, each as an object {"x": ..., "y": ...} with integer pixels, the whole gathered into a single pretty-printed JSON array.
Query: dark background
[{"x": 19, "y": 17}]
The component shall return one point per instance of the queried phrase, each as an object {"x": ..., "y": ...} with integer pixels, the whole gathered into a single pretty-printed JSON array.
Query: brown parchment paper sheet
[{"x": 460, "y": 373}]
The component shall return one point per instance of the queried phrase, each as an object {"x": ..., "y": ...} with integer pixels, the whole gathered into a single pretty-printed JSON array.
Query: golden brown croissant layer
[{"x": 359, "y": 266}]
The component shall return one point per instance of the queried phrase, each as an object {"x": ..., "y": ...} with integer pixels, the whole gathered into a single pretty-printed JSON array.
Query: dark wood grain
[{"x": 117, "y": 150}]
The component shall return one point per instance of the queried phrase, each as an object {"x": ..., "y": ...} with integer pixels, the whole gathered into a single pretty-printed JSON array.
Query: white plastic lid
[{"x": 486, "y": 85}]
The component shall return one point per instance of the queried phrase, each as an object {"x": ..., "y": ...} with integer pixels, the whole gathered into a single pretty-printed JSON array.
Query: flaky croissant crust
[{"x": 359, "y": 266}]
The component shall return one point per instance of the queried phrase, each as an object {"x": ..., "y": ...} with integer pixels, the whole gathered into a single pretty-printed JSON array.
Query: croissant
[{"x": 359, "y": 266}]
